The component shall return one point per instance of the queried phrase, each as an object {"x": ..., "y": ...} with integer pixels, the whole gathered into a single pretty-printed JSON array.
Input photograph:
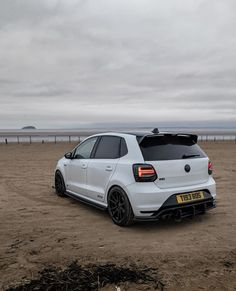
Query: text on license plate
[{"x": 184, "y": 198}]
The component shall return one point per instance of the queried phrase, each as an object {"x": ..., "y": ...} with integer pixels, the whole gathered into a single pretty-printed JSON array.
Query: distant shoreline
[{"x": 90, "y": 131}]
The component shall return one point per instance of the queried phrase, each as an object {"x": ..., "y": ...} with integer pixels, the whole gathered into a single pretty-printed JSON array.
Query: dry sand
[{"x": 38, "y": 228}]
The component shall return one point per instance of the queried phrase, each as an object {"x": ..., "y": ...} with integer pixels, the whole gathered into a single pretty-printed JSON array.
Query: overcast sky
[{"x": 65, "y": 63}]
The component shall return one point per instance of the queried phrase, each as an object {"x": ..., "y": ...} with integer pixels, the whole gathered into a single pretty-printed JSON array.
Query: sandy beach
[{"x": 38, "y": 228}]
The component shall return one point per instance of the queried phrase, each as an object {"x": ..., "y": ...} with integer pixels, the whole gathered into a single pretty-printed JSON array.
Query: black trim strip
[
  {"x": 95, "y": 147},
  {"x": 84, "y": 200}
]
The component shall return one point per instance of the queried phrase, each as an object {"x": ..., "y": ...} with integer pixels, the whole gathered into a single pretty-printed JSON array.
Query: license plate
[{"x": 188, "y": 197}]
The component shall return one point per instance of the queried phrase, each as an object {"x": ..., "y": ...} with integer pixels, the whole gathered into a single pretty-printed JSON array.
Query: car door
[
  {"x": 77, "y": 167},
  {"x": 102, "y": 166}
]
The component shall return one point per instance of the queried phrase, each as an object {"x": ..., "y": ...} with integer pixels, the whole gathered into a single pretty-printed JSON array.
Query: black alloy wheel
[
  {"x": 119, "y": 207},
  {"x": 60, "y": 184}
]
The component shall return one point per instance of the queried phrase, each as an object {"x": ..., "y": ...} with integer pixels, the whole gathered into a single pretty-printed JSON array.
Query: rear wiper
[{"x": 189, "y": 156}]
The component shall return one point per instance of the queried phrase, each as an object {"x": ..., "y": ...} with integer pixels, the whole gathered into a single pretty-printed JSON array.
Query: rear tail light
[
  {"x": 210, "y": 168},
  {"x": 144, "y": 173}
]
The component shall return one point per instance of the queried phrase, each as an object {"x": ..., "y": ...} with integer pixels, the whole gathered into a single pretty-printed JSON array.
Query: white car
[{"x": 139, "y": 176}]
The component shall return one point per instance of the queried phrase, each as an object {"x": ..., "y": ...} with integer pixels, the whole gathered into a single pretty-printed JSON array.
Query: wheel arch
[
  {"x": 122, "y": 187},
  {"x": 61, "y": 172},
  {"x": 61, "y": 169},
  {"x": 58, "y": 171}
]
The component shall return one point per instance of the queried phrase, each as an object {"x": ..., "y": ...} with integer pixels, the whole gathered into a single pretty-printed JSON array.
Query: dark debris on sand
[{"x": 90, "y": 278}]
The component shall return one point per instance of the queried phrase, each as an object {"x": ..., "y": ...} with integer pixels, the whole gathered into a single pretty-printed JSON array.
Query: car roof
[{"x": 141, "y": 135}]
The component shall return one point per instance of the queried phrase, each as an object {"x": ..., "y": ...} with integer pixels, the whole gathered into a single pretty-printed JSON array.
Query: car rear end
[{"x": 173, "y": 180}]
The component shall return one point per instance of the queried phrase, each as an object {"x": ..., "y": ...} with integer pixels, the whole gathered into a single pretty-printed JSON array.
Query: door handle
[
  {"x": 108, "y": 168},
  {"x": 84, "y": 166}
]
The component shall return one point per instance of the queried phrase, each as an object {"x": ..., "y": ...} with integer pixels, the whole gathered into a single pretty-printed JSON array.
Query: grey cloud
[{"x": 165, "y": 60}]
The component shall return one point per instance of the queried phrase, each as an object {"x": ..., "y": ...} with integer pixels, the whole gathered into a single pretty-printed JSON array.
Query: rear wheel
[
  {"x": 60, "y": 184},
  {"x": 119, "y": 207}
]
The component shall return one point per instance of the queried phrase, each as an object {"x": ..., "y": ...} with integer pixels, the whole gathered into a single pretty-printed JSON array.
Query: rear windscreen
[{"x": 167, "y": 147}]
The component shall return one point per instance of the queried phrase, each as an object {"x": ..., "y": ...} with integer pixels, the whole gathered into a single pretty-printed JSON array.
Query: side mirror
[{"x": 68, "y": 155}]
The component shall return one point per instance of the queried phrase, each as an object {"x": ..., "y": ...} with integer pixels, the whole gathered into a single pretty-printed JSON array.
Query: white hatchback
[{"x": 139, "y": 176}]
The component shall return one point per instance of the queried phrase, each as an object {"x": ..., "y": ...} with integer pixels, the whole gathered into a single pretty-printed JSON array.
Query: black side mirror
[{"x": 68, "y": 155}]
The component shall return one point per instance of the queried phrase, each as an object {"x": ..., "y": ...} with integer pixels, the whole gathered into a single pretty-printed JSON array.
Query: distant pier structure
[{"x": 31, "y": 135}]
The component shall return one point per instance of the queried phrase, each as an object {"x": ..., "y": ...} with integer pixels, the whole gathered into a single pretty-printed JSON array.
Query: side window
[
  {"x": 108, "y": 148},
  {"x": 84, "y": 150}
]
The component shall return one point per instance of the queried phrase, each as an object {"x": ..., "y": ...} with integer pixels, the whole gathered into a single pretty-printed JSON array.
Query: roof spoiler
[{"x": 193, "y": 137}]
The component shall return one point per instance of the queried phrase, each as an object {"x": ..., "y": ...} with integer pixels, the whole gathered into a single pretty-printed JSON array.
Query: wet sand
[{"x": 38, "y": 228}]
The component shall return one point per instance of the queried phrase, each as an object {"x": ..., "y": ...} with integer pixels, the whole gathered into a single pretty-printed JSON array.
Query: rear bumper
[
  {"x": 147, "y": 199},
  {"x": 179, "y": 211}
]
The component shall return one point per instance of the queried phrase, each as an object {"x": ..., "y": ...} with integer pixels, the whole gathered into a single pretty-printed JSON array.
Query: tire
[
  {"x": 119, "y": 207},
  {"x": 60, "y": 184}
]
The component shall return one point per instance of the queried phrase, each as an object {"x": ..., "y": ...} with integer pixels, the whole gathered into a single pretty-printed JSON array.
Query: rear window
[{"x": 169, "y": 147}]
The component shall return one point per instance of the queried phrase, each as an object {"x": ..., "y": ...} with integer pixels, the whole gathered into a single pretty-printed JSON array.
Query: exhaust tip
[
  {"x": 167, "y": 216},
  {"x": 178, "y": 215}
]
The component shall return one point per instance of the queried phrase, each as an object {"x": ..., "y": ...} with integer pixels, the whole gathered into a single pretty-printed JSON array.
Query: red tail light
[
  {"x": 210, "y": 168},
  {"x": 144, "y": 173}
]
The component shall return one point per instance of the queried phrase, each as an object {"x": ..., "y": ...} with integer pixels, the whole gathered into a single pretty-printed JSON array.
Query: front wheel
[
  {"x": 119, "y": 207},
  {"x": 60, "y": 184}
]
